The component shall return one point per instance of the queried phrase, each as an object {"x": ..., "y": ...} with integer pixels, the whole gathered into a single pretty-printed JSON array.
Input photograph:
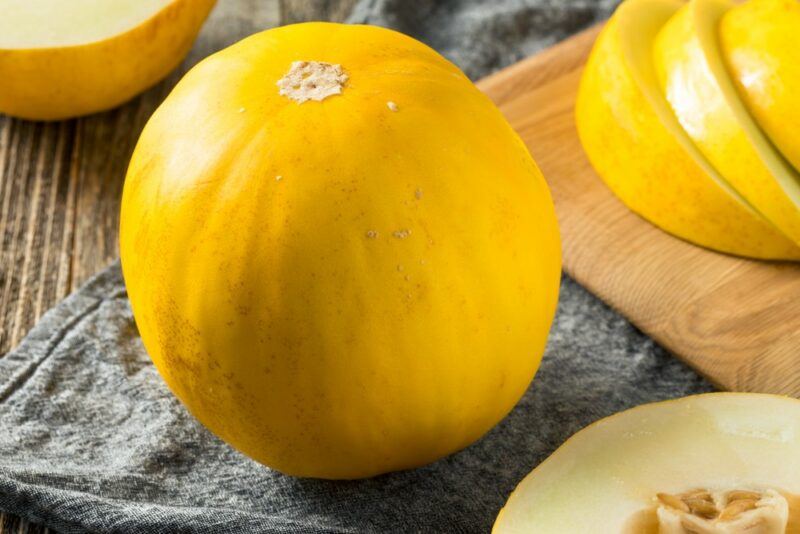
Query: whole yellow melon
[{"x": 339, "y": 255}]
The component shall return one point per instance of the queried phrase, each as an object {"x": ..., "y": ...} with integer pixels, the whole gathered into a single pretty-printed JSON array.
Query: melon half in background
[
  {"x": 61, "y": 59},
  {"x": 638, "y": 147}
]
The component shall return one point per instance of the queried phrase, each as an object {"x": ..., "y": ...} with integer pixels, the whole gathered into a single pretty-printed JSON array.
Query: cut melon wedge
[
  {"x": 696, "y": 83},
  {"x": 637, "y": 146},
  {"x": 759, "y": 40},
  {"x": 716, "y": 463},
  {"x": 61, "y": 59}
]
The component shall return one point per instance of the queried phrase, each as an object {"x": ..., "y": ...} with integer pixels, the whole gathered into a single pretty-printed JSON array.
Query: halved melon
[
  {"x": 759, "y": 40},
  {"x": 62, "y": 59},
  {"x": 696, "y": 83},
  {"x": 714, "y": 463},
  {"x": 640, "y": 150}
]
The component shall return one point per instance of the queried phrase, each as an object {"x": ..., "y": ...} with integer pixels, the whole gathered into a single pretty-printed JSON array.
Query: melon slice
[
  {"x": 759, "y": 43},
  {"x": 637, "y": 146},
  {"x": 710, "y": 464},
  {"x": 704, "y": 98},
  {"x": 62, "y": 59}
]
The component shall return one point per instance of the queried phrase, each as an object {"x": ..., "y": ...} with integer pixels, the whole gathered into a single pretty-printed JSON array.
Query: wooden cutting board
[{"x": 735, "y": 321}]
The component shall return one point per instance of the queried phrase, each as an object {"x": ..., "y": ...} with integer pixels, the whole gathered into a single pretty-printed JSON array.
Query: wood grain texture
[
  {"x": 60, "y": 182},
  {"x": 735, "y": 321}
]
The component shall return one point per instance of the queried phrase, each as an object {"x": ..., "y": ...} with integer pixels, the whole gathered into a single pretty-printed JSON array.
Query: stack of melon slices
[{"x": 690, "y": 112}]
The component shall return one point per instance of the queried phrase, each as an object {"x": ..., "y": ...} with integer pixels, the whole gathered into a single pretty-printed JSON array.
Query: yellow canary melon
[
  {"x": 720, "y": 463},
  {"x": 703, "y": 96},
  {"x": 338, "y": 253},
  {"x": 61, "y": 59},
  {"x": 759, "y": 41},
  {"x": 637, "y": 146}
]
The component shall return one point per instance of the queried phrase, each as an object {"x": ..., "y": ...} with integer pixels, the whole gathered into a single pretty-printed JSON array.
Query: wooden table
[{"x": 60, "y": 183}]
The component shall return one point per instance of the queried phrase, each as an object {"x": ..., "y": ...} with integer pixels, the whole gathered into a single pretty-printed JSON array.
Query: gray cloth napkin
[{"x": 92, "y": 440}]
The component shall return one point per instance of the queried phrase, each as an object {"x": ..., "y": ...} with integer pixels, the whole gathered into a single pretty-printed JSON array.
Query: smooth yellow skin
[
  {"x": 638, "y": 147},
  {"x": 759, "y": 41},
  {"x": 60, "y": 81},
  {"x": 287, "y": 314},
  {"x": 613, "y": 468},
  {"x": 694, "y": 79}
]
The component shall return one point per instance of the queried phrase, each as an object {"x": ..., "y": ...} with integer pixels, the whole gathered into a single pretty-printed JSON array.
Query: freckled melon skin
[
  {"x": 381, "y": 305},
  {"x": 612, "y": 469}
]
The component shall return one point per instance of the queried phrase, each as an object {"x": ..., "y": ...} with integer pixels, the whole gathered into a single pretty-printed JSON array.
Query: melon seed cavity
[{"x": 723, "y": 512}]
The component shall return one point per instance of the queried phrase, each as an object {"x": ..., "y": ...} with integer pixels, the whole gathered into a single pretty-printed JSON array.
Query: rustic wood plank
[
  {"x": 10, "y": 524},
  {"x": 37, "y": 198}
]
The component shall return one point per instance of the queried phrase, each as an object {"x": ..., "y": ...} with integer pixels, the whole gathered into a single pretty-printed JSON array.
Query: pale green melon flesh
[
  {"x": 56, "y": 23},
  {"x": 611, "y": 471}
]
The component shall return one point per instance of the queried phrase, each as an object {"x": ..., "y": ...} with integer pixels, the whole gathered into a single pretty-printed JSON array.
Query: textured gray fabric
[
  {"x": 92, "y": 440},
  {"x": 481, "y": 36}
]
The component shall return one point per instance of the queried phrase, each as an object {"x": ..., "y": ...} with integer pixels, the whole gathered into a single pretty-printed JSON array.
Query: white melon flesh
[
  {"x": 57, "y": 23},
  {"x": 635, "y": 472}
]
